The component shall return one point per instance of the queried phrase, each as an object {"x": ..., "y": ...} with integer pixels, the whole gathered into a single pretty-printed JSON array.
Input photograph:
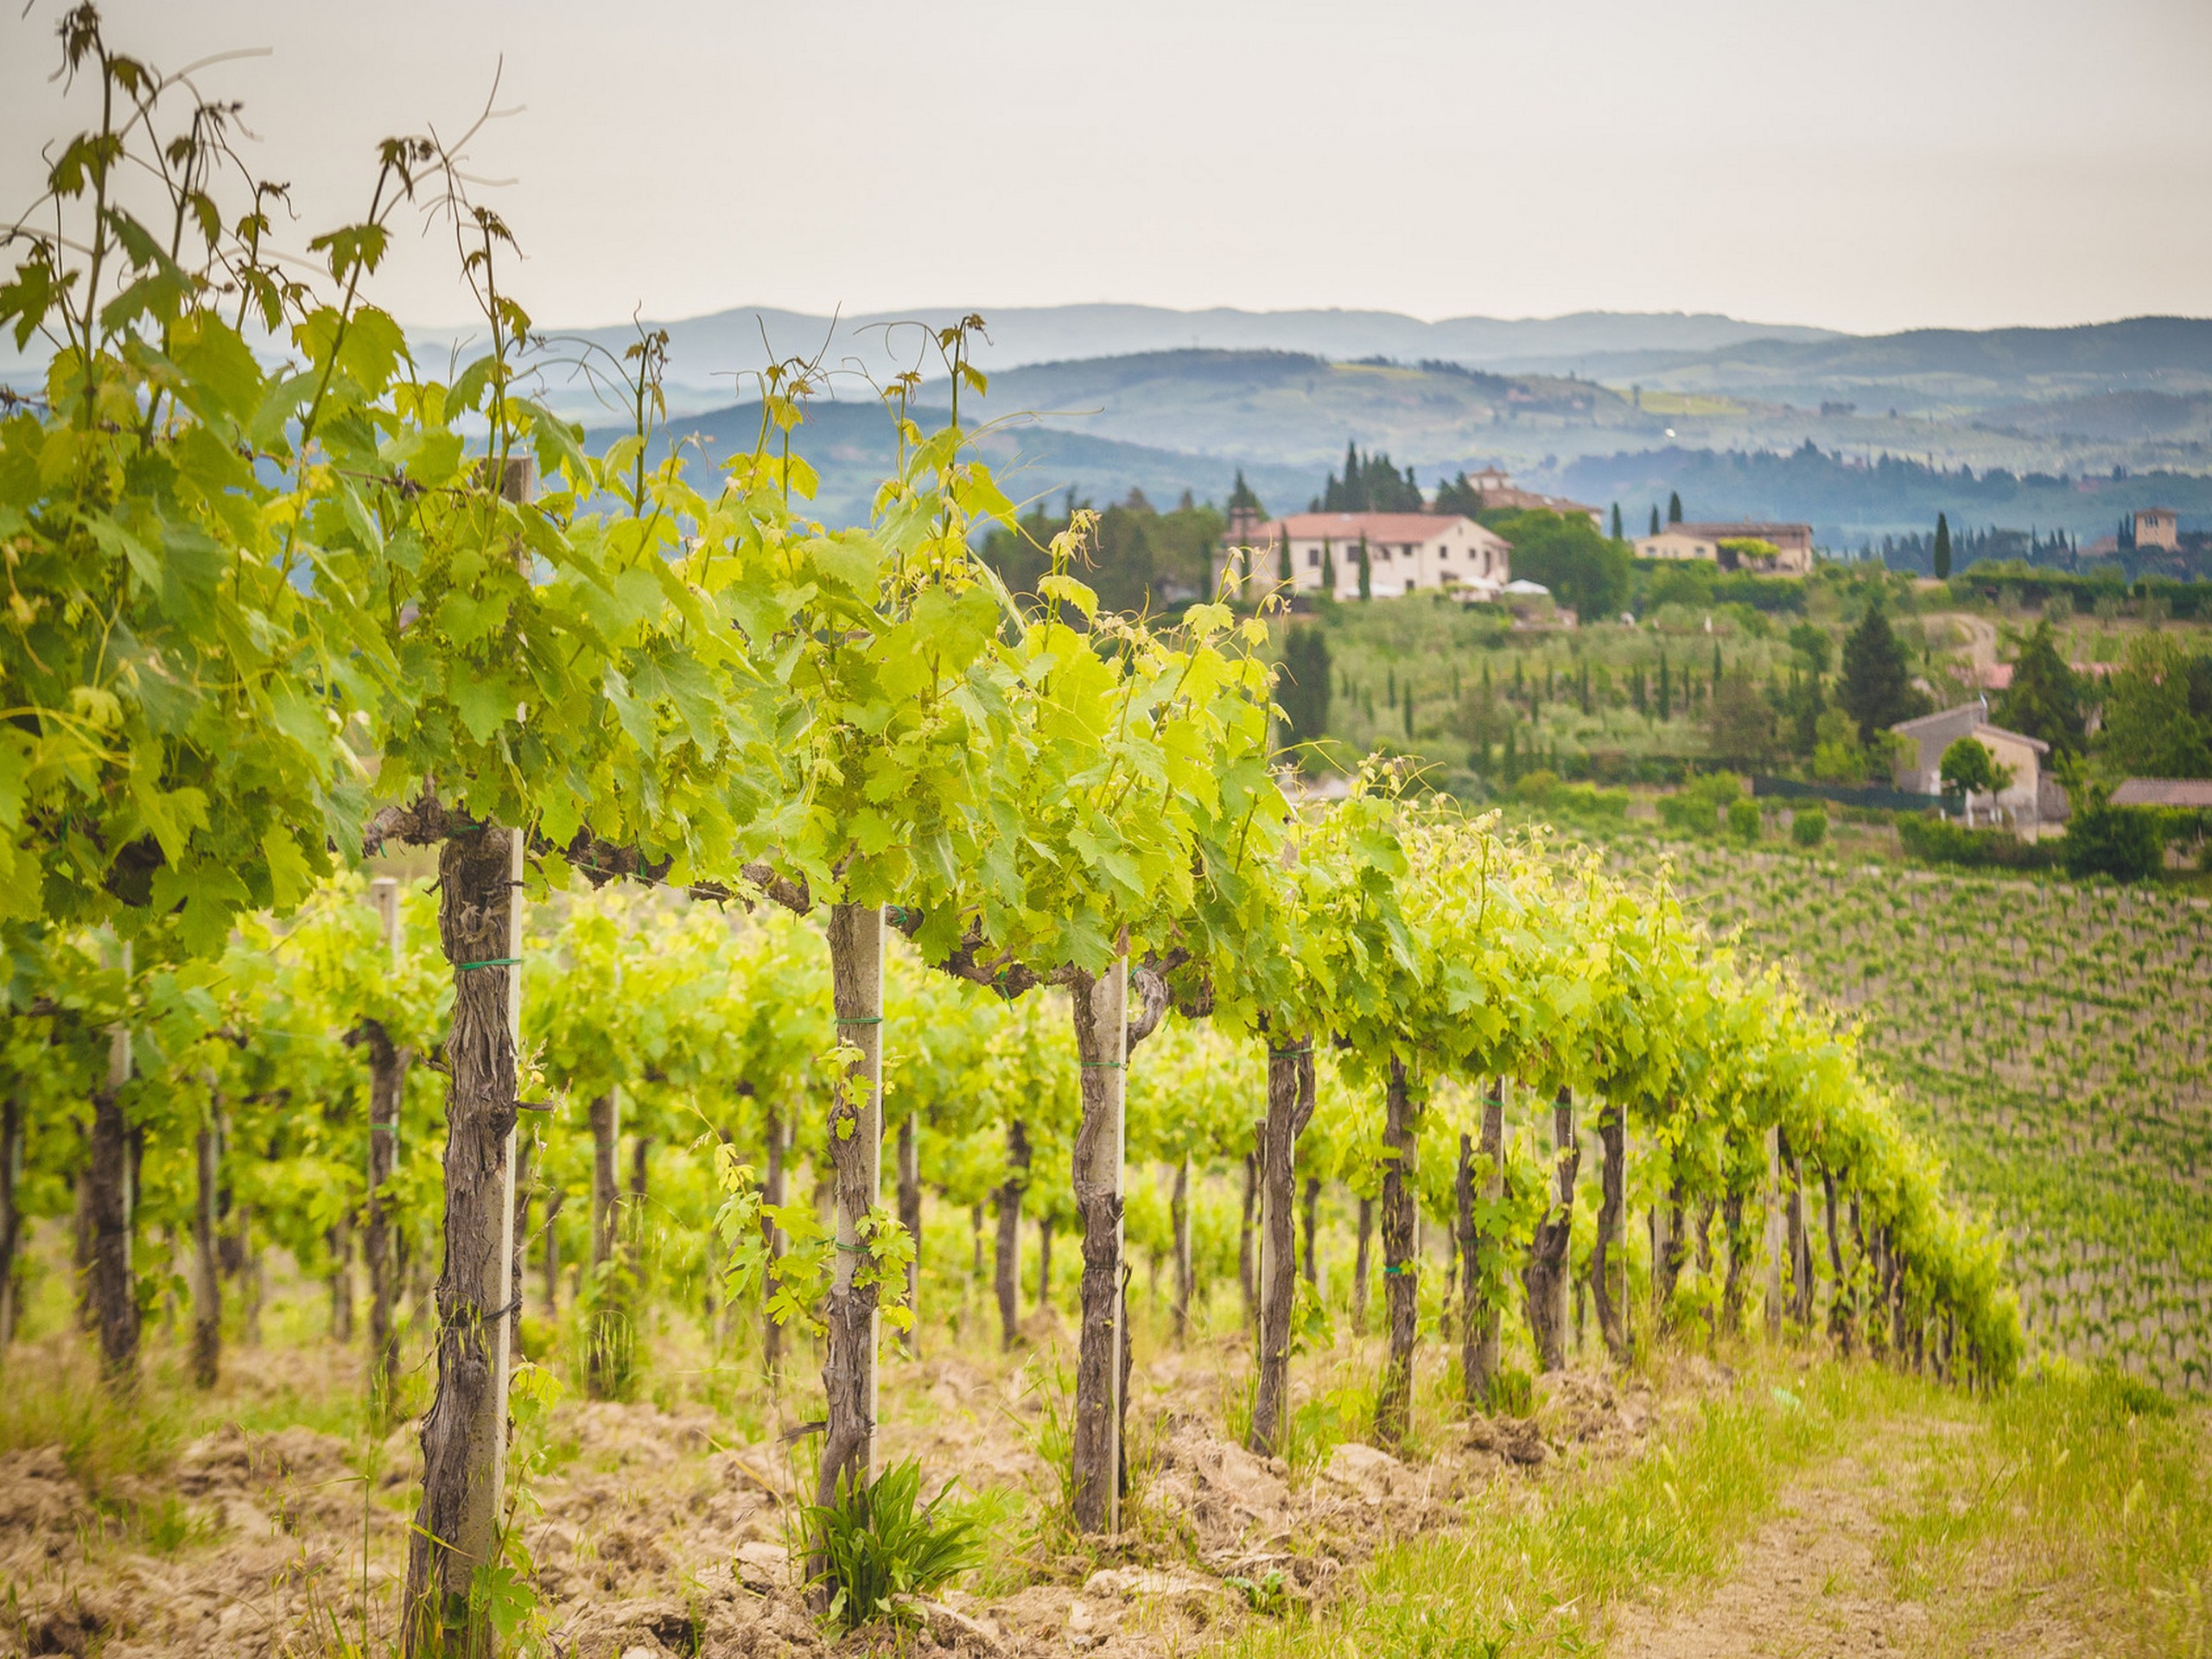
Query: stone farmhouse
[
  {"x": 1406, "y": 552},
  {"x": 1793, "y": 545},
  {"x": 1499, "y": 493},
  {"x": 2031, "y": 799}
]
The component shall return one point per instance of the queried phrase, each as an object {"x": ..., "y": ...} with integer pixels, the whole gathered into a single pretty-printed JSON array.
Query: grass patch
[
  {"x": 1534, "y": 1577},
  {"x": 2091, "y": 1492}
]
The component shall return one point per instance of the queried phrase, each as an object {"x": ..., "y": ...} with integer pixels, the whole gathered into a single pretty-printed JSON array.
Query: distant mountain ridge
[{"x": 711, "y": 358}]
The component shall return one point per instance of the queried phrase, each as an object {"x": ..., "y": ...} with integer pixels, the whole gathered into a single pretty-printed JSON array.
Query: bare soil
[{"x": 659, "y": 1531}]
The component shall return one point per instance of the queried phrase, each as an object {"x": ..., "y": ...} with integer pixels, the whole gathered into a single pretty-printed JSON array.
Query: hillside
[
  {"x": 1850, "y": 502},
  {"x": 706, "y": 354},
  {"x": 1941, "y": 370},
  {"x": 851, "y": 448}
]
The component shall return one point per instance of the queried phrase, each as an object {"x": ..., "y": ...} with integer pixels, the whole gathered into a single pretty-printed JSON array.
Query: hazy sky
[{"x": 1871, "y": 165}]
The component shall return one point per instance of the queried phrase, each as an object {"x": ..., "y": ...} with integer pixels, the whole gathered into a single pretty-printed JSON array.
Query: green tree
[
  {"x": 2044, "y": 700},
  {"x": 1741, "y": 720},
  {"x": 1240, "y": 495},
  {"x": 1876, "y": 688},
  {"x": 1617, "y": 521},
  {"x": 1968, "y": 767},
  {"x": 2121, "y": 842},
  {"x": 1942, "y": 547},
  {"x": 1674, "y": 507},
  {"x": 1654, "y": 518},
  {"x": 1811, "y": 641},
  {"x": 1366, "y": 570},
  {"x": 1328, "y": 572},
  {"x": 1566, "y": 554},
  {"x": 2150, "y": 729}
]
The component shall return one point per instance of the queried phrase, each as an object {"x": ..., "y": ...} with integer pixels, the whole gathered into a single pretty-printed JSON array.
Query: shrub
[
  {"x": 1941, "y": 841},
  {"x": 1809, "y": 826},
  {"x": 1537, "y": 787},
  {"x": 1696, "y": 807},
  {"x": 1745, "y": 819},
  {"x": 879, "y": 1542},
  {"x": 2124, "y": 842}
]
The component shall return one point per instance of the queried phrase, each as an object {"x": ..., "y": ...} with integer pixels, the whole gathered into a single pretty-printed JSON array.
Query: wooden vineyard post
[
  {"x": 1546, "y": 1275},
  {"x": 1290, "y": 1104},
  {"x": 465, "y": 1433},
  {"x": 115, "y": 1299},
  {"x": 1484, "y": 1317},
  {"x": 1101, "y": 1007},
  {"x": 1394, "y": 1400},
  {"x": 855, "y": 1144},
  {"x": 207, "y": 1271},
  {"x": 11, "y": 1215},
  {"x": 456, "y": 1531},
  {"x": 388, "y": 1066},
  {"x": 1612, "y": 1312},
  {"x": 1775, "y": 1231}
]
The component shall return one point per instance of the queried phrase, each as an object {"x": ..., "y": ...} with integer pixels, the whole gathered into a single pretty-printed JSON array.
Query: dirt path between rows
[{"x": 1811, "y": 1583}]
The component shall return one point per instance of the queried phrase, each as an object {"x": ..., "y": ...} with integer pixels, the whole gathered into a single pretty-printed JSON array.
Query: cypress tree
[
  {"x": 1328, "y": 572},
  {"x": 2045, "y": 699},
  {"x": 1509, "y": 765},
  {"x": 1942, "y": 547},
  {"x": 1409, "y": 709},
  {"x": 1876, "y": 687},
  {"x": 1716, "y": 661},
  {"x": 1666, "y": 691},
  {"x": 1390, "y": 679},
  {"x": 1655, "y": 518},
  {"x": 1617, "y": 521},
  {"x": 1354, "y": 485},
  {"x": 1304, "y": 693},
  {"x": 1366, "y": 570},
  {"x": 1635, "y": 691},
  {"x": 1283, "y": 572},
  {"x": 1585, "y": 685},
  {"x": 1674, "y": 507}
]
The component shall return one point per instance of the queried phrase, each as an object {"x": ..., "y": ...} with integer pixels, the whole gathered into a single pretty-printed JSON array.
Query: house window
[
  {"x": 1382, "y": 555},
  {"x": 1443, "y": 552},
  {"x": 1312, "y": 558}
]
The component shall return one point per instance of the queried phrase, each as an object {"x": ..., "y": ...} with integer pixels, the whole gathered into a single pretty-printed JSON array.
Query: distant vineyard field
[{"x": 2051, "y": 1040}]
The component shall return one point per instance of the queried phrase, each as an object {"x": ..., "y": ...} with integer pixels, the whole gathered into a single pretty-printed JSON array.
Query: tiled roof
[
  {"x": 1747, "y": 530},
  {"x": 2163, "y": 791},
  {"x": 1351, "y": 526}
]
